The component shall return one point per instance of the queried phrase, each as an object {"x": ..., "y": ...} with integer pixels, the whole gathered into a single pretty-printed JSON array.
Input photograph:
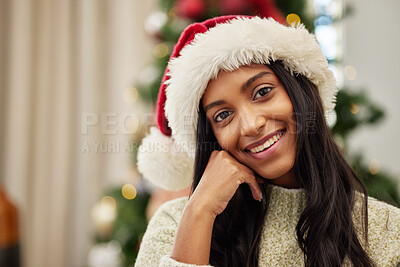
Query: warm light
[
  {"x": 172, "y": 13},
  {"x": 350, "y": 73},
  {"x": 109, "y": 201},
  {"x": 155, "y": 22},
  {"x": 103, "y": 216},
  {"x": 130, "y": 95},
  {"x": 160, "y": 50},
  {"x": 132, "y": 124},
  {"x": 354, "y": 108},
  {"x": 148, "y": 75},
  {"x": 374, "y": 166},
  {"x": 293, "y": 19},
  {"x": 129, "y": 191}
]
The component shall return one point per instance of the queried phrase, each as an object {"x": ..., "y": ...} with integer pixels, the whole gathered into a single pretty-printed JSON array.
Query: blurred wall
[
  {"x": 60, "y": 61},
  {"x": 372, "y": 47}
]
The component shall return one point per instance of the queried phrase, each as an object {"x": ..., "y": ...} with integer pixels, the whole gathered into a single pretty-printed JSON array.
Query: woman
[{"x": 246, "y": 98}]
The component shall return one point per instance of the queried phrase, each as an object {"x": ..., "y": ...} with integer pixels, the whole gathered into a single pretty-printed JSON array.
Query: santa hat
[{"x": 166, "y": 155}]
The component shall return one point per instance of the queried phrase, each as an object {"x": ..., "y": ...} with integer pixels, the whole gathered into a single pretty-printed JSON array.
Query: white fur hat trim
[
  {"x": 228, "y": 46},
  {"x": 163, "y": 162}
]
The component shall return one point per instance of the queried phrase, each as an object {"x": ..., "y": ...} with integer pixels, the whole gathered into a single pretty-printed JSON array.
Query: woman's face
[{"x": 251, "y": 116}]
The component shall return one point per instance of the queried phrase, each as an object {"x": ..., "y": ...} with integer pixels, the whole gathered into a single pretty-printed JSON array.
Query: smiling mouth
[{"x": 268, "y": 143}]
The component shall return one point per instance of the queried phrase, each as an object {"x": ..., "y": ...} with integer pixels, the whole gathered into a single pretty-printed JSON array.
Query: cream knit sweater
[{"x": 279, "y": 244}]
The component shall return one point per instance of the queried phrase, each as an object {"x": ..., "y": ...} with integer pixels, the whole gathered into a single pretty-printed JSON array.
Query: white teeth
[{"x": 267, "y": 144}]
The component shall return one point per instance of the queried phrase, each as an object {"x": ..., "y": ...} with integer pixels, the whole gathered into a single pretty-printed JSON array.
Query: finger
[
  {"x": 245, "y": 169},
  {"x": 214, "y": 153},
  {"x": 240, "y": 165},
  {"x": 259, "y": 179},
  {"x": 250, "y": 179},
  {"x": 254, "y": 187},
  {"x": 249, "y": 171}
]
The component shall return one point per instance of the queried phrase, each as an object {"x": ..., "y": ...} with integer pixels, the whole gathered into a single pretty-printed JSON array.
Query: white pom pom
[{"x": 163, "y": 162}]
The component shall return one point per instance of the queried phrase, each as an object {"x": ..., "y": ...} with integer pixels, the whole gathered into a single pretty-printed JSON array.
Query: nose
[{"x": 251, "y": 122}]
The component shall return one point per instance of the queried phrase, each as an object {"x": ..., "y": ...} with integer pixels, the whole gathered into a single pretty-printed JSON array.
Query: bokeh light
[
  {"x": 103, "y": 216},
  {"x": 374, "y": 166},
  {"x": 131, "y": 124},
  {"x": 109, "y": 201},
  {"x": 350, "y": 73},
  {"x": 323, "y": 20},
  {"x": 172, "y": 13},
  {"x": 327, "y": 36},
  {"x": 155, "y": 22},
  {"x": 354, "y": 108},
  {"x": 148, "y": 75},
  {"x": 160, "y": 50},
  {"x": 129, "y": 191},
  {"x": 130, "y": 95},
  {"x": 293, "y": 18}
]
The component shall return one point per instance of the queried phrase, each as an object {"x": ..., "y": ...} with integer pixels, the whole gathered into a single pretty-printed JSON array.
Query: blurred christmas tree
[
  {"x": 120, "y": 221},
  {"x": 353, "y": 110}
]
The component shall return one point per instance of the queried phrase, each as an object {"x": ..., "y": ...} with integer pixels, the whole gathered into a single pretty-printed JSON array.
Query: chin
[{"x": 277, "y": 172}]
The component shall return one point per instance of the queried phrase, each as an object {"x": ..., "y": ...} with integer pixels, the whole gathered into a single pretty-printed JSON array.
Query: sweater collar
[{"x": 285, "y": 204}]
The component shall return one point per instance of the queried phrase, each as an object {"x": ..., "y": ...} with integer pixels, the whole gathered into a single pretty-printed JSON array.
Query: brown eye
[
  {"x": 262, "y": 92},
  {"x": 222, "y": 116}
]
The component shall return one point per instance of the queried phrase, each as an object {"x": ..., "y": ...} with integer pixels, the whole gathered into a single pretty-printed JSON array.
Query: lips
[
  {"x": 265, "y": 153},
  {"x": 263, "y": 140}
]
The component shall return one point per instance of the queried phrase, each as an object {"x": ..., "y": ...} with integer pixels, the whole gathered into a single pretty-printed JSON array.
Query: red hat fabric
[{"x": 186, "y": 38}]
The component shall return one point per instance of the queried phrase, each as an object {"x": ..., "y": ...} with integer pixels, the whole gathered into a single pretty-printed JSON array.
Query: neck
[{"x": 288, "y": 180}]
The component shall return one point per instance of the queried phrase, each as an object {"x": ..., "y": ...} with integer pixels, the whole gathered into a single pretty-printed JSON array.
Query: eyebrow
[
  {"x": 253, "y": 79},
  {"x": 245, "y": 86}
]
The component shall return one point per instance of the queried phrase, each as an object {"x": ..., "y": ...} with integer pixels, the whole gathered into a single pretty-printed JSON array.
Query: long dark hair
[{"x": 325, "y": 230}]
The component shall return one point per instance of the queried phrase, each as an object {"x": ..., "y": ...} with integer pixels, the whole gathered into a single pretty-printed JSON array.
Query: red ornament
[
  {"x": 268, "y": 9},
  {"x": 234, "y": 7},
  {"x": 191, "y": 9}
]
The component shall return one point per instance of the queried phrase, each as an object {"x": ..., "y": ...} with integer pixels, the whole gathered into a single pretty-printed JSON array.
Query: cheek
[
  {"x": 292, "y": 128},
  {"x": 291, "y": 142},
  {"x": 227, "y": 138},
  {"x": 285, "y": 114}
]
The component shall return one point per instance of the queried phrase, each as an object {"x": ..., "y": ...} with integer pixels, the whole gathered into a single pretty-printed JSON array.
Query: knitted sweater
[{"x": 279, "y": 246}]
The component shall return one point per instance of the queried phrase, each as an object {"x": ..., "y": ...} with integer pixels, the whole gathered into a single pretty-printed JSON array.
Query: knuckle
[
  {"x": 224, "y": 153},
  {"x": 225, "y": 158},
  {"x": 219, "y": 154},
  {"x": 235, "y": 169}
]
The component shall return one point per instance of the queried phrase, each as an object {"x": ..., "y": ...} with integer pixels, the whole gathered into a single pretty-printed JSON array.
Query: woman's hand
[{"x": 220, "y": 180}]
